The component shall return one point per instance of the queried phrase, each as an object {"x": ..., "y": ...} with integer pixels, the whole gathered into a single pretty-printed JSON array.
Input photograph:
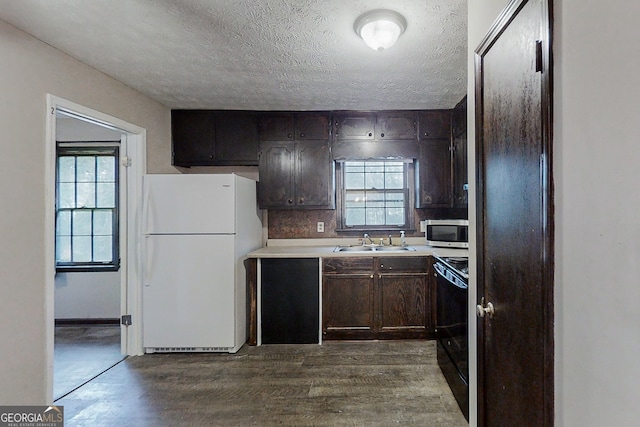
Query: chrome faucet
[
  {"x": 402, "y": 239},
  {"x": 366, "y": 237},
  {"x": 390, "y": 242}
]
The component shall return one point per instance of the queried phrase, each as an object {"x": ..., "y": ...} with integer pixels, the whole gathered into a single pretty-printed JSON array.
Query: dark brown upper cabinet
[
  {"x": 294, "y": 126},
  {"x": 434, "y": 164},
  {"x": 371, "y": 126},
  {"x": 296, "y": 169},
  {"x": 397, "y": 126},
  {"x": 434, "y": 174},
  {"x": 193, "y": 134},
  {"x": 459, "y": 117},
  {"x": 460, "y": 173},
  {"x": 435, "y": 124},
  {"x": 214, "y": 138}
]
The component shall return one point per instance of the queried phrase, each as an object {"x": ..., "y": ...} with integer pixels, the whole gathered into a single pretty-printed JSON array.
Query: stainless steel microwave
[{"x": 447, "y": 233}]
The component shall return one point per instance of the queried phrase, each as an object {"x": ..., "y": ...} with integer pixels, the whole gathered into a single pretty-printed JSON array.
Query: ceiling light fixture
[{"x": 380, "y": 28}]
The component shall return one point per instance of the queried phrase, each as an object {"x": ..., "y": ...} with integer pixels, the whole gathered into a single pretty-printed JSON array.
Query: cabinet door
[
  {"x": 314, "y": 182},
  {"x": 397, "y": 126},
  {"x": 193, "y": 137},
  {"x": 403, "y": 305},
  {"x": 347, "y": 306},
  {"x": 275, "y": 188},
  {"x": 435, "y": 124},
  {"x": 290, "y": 301},
  {"x": 355, "y": 126},
  {"x": 460, "y": 117},
  {"x": 460, "y": 174},
  {"x": 434, "y": 174},
  {"x": 313, "y": 126},
  {"x": 276, "y": 127},
  {"x": 237, "y": 139}
]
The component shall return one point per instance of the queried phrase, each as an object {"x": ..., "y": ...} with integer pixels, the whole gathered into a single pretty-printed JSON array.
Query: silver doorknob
[{"x": 483, "y": 310}]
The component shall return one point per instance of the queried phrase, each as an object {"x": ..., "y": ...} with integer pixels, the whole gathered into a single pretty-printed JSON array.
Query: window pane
[
  {"x": 66, "y": 196},
  {"x": 394, "y": 199},
  {"x": 374, "y": 180},
  {"x": 395, "y": 216},
  {"x": 63, "y": 223},
  {"x": 106, "y": 195},
  {"x": 63, "y": 249},
  {"x": 375, "y": 216},
  {"x": 86, "y": 169},
  {"x": 81, "y": 223},
  {"x": 102, "y": 223},
  {"x": 375, "y": 200},
  {"x": 354, "y": 180},
  {"x": 106, "y": 169},
  {"x": 86, "y": 195},
  {"x": 67, "y": 169},
  {"x": 102, "y": 251},
  {"x": 354, "y": 216},
  {"x": 81, "y": 248}
]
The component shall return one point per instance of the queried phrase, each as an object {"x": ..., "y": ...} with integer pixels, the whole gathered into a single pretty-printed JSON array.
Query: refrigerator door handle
[
  {"x": 146, "y": 218},
  {"x": 148, "y": 250}
]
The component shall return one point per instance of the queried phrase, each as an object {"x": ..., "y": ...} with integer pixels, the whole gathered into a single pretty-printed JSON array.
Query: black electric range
[{"x": 452, "y": 302}]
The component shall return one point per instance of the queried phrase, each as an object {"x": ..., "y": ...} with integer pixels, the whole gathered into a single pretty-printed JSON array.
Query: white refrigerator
[{"x": 198, "y": 229}]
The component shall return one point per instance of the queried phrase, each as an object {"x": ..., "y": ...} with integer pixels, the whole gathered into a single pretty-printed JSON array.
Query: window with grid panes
[
  {"x": 87, "y": 208},
  {"x": 375, "y": 194}
]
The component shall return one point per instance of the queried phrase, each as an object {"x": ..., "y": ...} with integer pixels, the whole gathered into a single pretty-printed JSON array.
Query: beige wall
[
  {"x": 597, "y": 200},
  {"x": 597, "y": 171},
  {"x": 30, "y": 70}
]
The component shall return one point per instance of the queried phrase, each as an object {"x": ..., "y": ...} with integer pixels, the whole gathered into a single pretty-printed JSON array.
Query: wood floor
[
  {"x": 81, "y": 352},
  {"x": 336, "y": 384}
]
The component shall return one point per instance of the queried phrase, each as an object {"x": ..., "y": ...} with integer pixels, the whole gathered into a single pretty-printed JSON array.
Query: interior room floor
[
  {"x": 81, "y": 353},
  {"x": 338, "y": 383}
]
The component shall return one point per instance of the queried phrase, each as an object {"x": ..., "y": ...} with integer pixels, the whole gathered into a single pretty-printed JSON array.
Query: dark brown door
[{"x": 515, "y": 218}]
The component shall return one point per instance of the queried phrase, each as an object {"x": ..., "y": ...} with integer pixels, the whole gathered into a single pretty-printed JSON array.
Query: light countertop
[{"x": 324, "y": 248}]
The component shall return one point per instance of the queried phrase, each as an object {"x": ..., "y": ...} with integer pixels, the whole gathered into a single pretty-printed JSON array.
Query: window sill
[{"x": 87, "y": 268}]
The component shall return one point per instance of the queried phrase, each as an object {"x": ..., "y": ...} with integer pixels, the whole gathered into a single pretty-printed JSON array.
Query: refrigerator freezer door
[
  {"x": 189, "y": 204},
  {"x": 188, "y": 292}
]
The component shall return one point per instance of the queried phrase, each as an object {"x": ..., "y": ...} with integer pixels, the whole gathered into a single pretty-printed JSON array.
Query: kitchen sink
[
  {"x": 353, "y": 249},
  {"x": 394, "y": 248},
  {"x": 373, "y": 248}
]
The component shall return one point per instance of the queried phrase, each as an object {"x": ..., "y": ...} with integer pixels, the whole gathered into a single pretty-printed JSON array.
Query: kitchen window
[
  {"x": 374, "y": 195},
  {"x": 87, "y": 207}
]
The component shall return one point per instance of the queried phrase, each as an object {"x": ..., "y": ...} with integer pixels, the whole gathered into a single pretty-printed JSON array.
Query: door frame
[
  {"x": 133, "y": 146},
  {"x": 507, "y": 15}
]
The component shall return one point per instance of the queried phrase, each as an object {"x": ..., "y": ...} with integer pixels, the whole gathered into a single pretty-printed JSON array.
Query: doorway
[
  {"x": 124, "y": 299},
  {"x": 88, "y": 275}
]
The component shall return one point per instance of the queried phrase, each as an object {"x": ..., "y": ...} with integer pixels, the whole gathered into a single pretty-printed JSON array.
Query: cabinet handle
[
  {"x": 382, "y": 135},
  {"x": 211, "y": 156},
  {"x": 301, "y": 200},
  {"x": 301, "y": 134},
  {"x": 290, "y": 201},
  {"x": 370, "y": 134},
  {"x": 289, "y": 135},
  {"x": 371, "y": 277}
]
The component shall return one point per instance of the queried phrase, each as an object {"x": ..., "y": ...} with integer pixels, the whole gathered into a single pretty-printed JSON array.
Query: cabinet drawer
[
  {"x": 403, "y": 264},
  {"x": 347, "y": 265}
]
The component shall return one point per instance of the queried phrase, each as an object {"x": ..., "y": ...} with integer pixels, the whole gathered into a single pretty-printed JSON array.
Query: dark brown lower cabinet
[{"x": 377, "y": 298}]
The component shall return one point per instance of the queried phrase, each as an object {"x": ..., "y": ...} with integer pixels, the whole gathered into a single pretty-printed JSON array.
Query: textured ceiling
[{"x": 259, "y": 54}]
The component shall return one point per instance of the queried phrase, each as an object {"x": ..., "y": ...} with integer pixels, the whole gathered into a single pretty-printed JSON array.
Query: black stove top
[{"x": 461, "y": 264}]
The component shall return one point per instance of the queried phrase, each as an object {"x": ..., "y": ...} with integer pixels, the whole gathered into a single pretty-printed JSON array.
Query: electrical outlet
[{"x": 320, "y": 227}]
